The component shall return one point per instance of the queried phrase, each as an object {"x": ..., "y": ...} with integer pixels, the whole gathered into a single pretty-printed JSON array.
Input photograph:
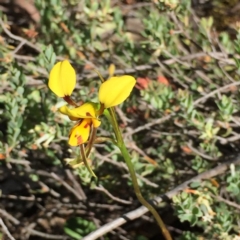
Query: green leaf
[{"x": 195, "y": 184}]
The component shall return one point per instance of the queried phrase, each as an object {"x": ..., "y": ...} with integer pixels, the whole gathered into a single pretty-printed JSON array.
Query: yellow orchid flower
[
  {"x": 112, "y": 92},
  {"x": 86, "y": 117},
  {"x": 62, "y": 79}
]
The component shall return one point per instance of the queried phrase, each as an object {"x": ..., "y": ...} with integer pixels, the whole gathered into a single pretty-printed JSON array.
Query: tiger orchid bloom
[{"x": 112, "y": 92}]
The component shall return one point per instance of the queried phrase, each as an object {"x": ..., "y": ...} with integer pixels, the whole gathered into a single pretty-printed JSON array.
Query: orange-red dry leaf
[
  {"x": 142, "y": 83},
  {"x": 188, "y": 190},
  {"x": 186, "y": 149},
  {"x": 163, "y": 80},
  {"x": 31, "y": 33},
  {"x": 150, "y": 160},
  {"x": 64, "y": 27},
  {"x": 214, "y": 182}
]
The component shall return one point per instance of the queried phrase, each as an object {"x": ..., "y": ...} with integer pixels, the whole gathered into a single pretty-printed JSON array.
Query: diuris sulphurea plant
[{"x": 86, "y": 118}]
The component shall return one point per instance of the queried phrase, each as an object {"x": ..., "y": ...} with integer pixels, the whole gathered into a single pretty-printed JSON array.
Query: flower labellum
[
  {"x": 62, "y": 79},
  {"x": 80, "y": 132},
  {"x": 86, "y": 117}
]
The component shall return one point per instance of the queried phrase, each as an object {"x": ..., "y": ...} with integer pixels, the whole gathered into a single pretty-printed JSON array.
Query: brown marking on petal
[
  {"x": 79, "y": 139},
  {"x": 86, "y": 125},
  {"x": 88, "y": 114}
]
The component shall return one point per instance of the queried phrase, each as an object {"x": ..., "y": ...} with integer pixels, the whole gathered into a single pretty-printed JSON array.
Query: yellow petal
[
  {"x": 62, "y": 79},
  {"x": 80, "y": 132},
  {"x": 116, "y": 90},
  {"x": 96, "y": 122},
  {"x": 87, "y": 110}
]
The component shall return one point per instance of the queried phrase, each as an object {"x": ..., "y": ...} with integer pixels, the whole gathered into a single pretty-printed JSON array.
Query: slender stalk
[
  {"x": 141, "y": 199},
  {"x": 91, "y": 141},
  {"x": 84, "y": 158},
  {"x": 69, "y": 100},
  {"x": 138, "y": 193}
]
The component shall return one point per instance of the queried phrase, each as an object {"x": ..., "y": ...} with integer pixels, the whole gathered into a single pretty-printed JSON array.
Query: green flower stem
[
  {"x": 128, "y": 161},
  {"x": 113, "y": 121}
]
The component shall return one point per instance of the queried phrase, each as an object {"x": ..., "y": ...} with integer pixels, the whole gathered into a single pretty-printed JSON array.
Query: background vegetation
[{"x": 181, "y": 124}]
